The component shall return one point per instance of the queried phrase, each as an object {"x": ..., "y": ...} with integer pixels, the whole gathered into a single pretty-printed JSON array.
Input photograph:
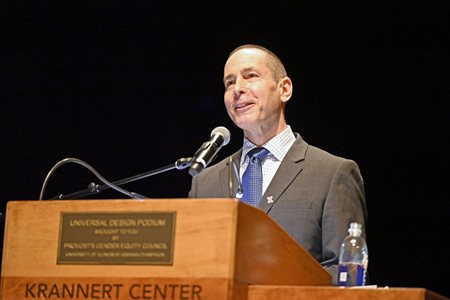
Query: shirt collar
[{"x": 278, "y": 145}]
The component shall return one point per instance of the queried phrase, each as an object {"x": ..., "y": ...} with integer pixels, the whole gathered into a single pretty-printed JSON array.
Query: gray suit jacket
[{"x": 314, "y": 196}]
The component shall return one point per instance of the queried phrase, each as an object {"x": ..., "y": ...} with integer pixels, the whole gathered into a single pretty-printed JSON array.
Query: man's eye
[{"x": 228, "y": 83}]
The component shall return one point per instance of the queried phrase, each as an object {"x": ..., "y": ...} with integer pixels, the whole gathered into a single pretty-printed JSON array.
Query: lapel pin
[{"x": 270, "y": 199}]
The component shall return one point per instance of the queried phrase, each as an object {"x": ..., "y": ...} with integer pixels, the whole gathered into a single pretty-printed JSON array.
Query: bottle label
[{"x": 351, "y": 275}]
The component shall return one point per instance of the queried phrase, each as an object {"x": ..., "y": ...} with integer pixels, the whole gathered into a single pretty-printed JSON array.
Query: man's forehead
[
  {"x": 245, "y": 60},
  {"x": 250, "y": 55}
]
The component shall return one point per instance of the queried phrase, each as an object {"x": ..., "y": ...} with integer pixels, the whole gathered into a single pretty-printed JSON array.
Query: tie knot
[{"x": 257, "y": 154}]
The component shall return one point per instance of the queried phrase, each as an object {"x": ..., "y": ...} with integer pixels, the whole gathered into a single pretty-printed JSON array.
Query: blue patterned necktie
[{"x": 252, "y": 178}]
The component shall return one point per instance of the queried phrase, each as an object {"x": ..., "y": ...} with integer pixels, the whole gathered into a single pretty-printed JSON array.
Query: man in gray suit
[{"x": 312, "y": 194}]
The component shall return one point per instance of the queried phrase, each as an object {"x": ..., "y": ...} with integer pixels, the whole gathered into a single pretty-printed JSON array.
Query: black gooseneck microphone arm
[
  {"x": 220, "y": 136},
  {"x": 93, "y": 188}
]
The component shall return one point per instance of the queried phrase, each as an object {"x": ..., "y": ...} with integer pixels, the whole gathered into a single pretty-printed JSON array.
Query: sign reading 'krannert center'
[{"x": 116, "y": 238}]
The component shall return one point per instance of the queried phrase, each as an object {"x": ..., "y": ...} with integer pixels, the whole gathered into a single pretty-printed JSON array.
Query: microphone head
[{"x": 225, "y": 133}]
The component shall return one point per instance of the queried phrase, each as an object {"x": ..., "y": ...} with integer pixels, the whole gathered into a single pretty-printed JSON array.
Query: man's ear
[{"x": 285, "y": 86}]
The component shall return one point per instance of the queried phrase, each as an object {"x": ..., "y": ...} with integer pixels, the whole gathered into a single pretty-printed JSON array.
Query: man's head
[
  {"x": 256, "y": 91},
  {"x": 273, "y": 62}
]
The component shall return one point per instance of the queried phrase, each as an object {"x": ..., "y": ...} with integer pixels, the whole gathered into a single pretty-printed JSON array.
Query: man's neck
[{"x": 262, "y": 136}]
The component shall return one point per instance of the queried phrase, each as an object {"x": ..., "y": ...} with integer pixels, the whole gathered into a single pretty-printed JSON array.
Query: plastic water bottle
[{"x": 353, "y": 258}]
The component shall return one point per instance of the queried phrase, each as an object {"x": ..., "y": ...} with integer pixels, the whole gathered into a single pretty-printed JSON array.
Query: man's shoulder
[
  {"x": 322, "y": 154},
  {"x": 320, "y": 159},
  {"x": 316, "y": 155},
  {"x": 215, "y": 168}
]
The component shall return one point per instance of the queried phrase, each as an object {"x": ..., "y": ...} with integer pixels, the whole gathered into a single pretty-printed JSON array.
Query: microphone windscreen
[{"x": 224, "y": 132}]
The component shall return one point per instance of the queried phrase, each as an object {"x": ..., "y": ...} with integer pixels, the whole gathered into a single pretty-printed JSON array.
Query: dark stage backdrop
[{"x": 132, "y": 86}]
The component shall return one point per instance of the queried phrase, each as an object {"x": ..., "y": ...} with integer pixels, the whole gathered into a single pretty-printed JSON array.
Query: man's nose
[{"x": 239, "y": 87}]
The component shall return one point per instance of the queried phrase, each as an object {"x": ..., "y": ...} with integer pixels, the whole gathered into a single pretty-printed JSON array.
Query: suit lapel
[{"x": 289, "y": 168}]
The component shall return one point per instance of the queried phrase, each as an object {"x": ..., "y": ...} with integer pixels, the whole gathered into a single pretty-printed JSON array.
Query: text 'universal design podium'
[{"x": 147, "y": 249}]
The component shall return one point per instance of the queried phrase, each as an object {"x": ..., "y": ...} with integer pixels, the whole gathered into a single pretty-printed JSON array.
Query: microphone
[
  {"x": 233, "y": 174},
  {"x": 220, "y": 136}
]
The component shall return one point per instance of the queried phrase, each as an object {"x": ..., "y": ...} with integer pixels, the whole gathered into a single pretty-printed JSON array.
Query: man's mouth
[{"x": 243, "y": 106}]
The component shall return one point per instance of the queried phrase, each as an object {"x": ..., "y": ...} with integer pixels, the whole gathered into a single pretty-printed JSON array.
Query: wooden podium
[{"x": 147, "y": 249}]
